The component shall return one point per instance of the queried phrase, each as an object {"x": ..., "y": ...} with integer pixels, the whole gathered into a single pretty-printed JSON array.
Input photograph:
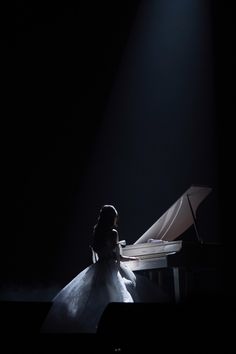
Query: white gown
[{"x": 79, "y": 305}]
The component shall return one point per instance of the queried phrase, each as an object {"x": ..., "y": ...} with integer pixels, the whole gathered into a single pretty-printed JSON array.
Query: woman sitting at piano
[{"x": 79, "y": 305}]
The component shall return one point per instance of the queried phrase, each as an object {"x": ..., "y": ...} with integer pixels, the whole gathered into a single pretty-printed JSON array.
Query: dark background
[{"x": 62, "y": 61}]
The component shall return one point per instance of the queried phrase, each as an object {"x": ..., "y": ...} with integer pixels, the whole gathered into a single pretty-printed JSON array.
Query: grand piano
[{"x": 158, "y": 248}]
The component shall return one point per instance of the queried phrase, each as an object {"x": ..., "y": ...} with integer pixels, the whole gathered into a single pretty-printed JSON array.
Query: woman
[{"x": 79, "y": 305}]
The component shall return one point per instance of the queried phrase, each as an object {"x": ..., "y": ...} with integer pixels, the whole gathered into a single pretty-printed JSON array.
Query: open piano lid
[{"x": 178, "y": 218}]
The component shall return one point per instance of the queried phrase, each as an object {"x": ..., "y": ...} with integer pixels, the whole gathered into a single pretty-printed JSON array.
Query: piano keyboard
[{"x": 151, "y": 254}]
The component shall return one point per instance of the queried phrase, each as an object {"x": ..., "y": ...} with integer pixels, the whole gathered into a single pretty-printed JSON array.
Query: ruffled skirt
[{"x": 79, "y": 305}]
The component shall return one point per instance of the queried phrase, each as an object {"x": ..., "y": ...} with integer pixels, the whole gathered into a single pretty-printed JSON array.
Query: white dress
[{"x": 79, "y": 305}]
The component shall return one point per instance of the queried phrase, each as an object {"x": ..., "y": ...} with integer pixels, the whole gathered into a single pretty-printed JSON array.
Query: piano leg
[
  {"x": 150, "y": 275},
  {"x": 176, "y": 284}
]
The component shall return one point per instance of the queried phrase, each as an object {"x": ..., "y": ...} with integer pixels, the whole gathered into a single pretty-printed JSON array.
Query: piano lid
[{"x": 178, "y": 218}]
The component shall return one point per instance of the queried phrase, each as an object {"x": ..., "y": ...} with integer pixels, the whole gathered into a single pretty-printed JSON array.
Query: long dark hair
[
  {"x": 103, "y": 230},
  {"x": 106, "y": 218}
]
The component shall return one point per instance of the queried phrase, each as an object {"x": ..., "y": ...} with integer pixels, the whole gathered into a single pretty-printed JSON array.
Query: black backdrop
[{"x": 60, "y": 65}]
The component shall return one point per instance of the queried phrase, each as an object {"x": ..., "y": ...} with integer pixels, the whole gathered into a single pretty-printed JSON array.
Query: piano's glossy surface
[
  {"x": 158, "y": 248},
  {"x": 159, "y": 241}
]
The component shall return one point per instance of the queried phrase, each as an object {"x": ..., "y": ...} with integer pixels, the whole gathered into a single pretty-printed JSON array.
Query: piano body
[{"x": 157, "y": 247}]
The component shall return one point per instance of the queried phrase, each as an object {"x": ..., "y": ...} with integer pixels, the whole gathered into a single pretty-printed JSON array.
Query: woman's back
[{"x": 105, "y": 242}]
